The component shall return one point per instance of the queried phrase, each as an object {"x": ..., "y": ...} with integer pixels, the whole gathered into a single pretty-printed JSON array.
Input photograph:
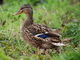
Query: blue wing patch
[{"x": 42, "y": 36}]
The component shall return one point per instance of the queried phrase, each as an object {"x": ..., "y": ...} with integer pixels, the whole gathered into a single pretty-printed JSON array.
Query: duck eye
[{"x": 21, "y": 8}]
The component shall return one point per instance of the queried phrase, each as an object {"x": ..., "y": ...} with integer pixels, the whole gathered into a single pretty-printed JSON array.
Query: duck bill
[{"x": 19, "y": 12}]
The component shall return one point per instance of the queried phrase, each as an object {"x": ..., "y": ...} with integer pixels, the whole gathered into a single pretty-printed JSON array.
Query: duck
[{"x": 38, "y": 35}]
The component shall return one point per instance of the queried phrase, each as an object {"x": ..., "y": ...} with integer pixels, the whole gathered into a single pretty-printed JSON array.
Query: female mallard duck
[{"x": 38, "y": 35}]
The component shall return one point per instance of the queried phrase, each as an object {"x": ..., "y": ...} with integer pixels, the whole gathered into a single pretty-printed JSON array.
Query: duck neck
[{"x": 29, "y": 20}]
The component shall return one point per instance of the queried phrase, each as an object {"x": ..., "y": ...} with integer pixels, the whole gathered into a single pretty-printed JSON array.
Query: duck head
[{"x": 26, "y": 8}]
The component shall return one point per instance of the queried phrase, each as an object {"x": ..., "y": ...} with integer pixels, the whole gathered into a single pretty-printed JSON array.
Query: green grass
[{"x": 52, "y": 13}]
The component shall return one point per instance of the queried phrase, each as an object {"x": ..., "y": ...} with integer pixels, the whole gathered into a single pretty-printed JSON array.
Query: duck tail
[
  {"x": 67, "y": 40},
  {"x": 58, "y": 44}
]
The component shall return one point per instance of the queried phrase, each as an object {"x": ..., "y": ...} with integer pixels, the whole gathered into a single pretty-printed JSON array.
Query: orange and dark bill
[{"x": 19, "y": 12}]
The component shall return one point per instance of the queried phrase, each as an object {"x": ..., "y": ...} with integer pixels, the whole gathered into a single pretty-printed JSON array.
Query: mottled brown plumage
[{"x": 31, "y": 30}]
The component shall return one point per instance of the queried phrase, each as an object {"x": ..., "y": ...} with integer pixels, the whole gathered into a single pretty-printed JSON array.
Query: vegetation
[{"x": 52, "y": 13}]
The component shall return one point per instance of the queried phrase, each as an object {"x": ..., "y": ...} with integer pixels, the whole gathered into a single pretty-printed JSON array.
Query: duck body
[{"x": 38, "y": 35}]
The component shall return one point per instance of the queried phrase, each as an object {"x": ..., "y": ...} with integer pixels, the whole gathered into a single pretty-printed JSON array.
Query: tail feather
[
  {"x": 58, "y": 44},
  {"x": 67, "y": 40}
]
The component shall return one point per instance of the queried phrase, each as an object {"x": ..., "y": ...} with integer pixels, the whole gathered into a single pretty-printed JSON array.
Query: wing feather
[{"x": 35, "y": 29}]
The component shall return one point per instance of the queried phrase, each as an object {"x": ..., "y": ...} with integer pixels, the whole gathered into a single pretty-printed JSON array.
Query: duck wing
[
  {"x": 43, "y": 32},
  {"x": 48, "y": 41},
  {"x": 43, "y": 29}
]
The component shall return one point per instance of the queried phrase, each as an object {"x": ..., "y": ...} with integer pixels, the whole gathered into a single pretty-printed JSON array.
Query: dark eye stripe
[
  {"x": 21, "y": 8},
  {"x": 24, "y": 7}
]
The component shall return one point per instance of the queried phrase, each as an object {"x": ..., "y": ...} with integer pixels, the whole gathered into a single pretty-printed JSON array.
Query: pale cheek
[{"x": 25, "y": 12}]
